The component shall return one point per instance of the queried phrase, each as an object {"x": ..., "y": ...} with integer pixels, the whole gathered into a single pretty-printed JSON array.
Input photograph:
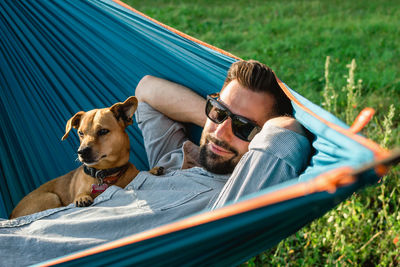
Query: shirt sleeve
[
  {"x": 275, "y": 155},
  {"x": 162, "y": 136}
]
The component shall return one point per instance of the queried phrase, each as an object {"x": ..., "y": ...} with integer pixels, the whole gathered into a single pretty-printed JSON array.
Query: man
[
  {"x": 242, "y": 151},
  {"x": 252, "y": 93}
]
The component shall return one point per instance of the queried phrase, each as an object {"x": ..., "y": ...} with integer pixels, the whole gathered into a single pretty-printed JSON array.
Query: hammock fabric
[{"x": 58, "y": 57}]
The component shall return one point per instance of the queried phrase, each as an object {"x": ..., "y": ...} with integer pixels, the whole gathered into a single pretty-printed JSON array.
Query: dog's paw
[
  {"x": 83, "y": 201},
  {"x": 157, "y": 171}
]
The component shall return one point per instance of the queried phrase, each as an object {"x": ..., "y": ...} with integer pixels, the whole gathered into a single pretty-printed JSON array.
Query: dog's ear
[
  {"x": 74, "y": 122},
  {"x": 124, "y": 111}
]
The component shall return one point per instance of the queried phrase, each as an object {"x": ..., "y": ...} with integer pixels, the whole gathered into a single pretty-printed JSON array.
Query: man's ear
[
  {"x": 74, "y": 122},
  {"x": 124, "y": 111}
]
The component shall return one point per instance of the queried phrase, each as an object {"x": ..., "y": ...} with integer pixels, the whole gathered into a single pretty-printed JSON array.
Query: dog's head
[{"x": 104, "y": 142}]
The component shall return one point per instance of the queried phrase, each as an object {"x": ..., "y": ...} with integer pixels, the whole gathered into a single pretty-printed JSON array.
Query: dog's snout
[{"x": 85, "y": 152}]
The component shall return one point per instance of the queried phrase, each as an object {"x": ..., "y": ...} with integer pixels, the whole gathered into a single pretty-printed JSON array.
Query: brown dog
[{"x": 104, "y": 152}]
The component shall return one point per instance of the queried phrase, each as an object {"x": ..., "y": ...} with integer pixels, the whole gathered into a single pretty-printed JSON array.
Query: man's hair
[{"x": 258, "y": 77}]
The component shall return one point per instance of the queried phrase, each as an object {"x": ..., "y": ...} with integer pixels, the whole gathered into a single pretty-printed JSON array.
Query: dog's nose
[{"x": 85, "y": 152}]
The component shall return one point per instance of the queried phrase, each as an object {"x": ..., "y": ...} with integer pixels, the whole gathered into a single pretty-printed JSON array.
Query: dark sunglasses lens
[
  {"x": 214, "y": 112},
  {"x": 242, "y": 128}
]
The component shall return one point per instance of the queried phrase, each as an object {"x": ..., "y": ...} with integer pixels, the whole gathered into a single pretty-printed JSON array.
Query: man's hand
[{"x": 174, "y": 100}]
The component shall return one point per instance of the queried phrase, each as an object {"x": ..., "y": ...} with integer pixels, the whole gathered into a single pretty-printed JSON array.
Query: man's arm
[
  {"x": 280, "y": 152},
  {"x": 174, "y": 100},
  {"x": 289, "y": 123}
]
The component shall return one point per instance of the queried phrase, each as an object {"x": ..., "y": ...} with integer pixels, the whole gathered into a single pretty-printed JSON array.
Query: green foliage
[
  {"x": 353, "y": 91},
  {"x": 310, "y": 44},
  {"x": 387, "y": 132},
  {"x": 329, "y": 93}
]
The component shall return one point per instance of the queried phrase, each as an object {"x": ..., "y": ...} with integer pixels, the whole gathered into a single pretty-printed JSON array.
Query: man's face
[{"x": 220, "y": 149}]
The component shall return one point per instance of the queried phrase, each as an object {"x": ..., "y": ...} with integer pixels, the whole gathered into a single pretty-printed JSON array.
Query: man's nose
[{"x": 224, "y": 130}]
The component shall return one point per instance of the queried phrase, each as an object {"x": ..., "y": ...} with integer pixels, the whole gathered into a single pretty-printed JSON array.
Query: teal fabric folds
[{"x": 60, "y": 57}]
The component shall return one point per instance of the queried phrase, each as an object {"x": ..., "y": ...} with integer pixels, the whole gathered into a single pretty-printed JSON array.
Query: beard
[{"x": 215, "y": 163}]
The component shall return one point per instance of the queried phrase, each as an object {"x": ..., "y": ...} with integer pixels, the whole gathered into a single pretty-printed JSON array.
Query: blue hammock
[{"x": 58, "y": 57}]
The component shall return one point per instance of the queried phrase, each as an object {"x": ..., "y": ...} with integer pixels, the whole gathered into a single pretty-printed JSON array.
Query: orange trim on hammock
[
  {"x": 176, "y": 31},
  {"x": 378, "y": 151},
  {"x": 362, "y": 120},
  {"x": 328, "y": 181}
]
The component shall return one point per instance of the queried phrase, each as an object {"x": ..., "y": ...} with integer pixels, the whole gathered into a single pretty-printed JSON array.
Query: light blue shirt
[{"x": 275, "y": 155}]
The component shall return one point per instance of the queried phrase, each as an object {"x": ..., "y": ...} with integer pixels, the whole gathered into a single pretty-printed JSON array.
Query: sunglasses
[{"x": 242, "y": 127}]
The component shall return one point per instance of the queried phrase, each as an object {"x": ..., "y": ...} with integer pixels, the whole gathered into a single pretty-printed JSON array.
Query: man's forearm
[{"x": 174, "y": 100}]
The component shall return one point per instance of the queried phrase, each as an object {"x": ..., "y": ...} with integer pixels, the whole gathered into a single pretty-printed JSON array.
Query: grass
[{"x": 295, "y": 38}]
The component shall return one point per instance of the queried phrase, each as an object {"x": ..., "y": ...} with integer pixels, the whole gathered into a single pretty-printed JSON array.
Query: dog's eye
[
  {"x": 80, "y": 133},
  {"x": 102, "y": 132}
]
